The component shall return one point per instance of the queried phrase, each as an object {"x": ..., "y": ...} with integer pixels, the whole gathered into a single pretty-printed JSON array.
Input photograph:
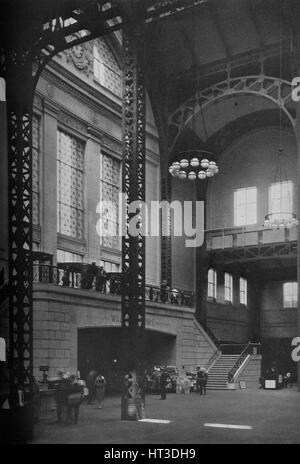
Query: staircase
[{"x": 218, "y": 373}]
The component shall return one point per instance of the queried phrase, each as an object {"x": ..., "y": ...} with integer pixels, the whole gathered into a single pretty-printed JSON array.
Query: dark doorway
[{"x": 100, "y": 349}]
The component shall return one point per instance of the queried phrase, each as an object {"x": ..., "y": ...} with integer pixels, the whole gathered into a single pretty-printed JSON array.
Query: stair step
[
  {"x": 217, "y": 380},
  {"x": 218, "y": 373},
  {"x": 217, "y": 383}
]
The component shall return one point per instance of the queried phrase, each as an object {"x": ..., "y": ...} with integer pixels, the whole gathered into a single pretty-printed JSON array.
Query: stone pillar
[
  {"x": 202, "y": 263},
  {"x": 254, "y": 309},
  {"x": 201, "y": 284}
]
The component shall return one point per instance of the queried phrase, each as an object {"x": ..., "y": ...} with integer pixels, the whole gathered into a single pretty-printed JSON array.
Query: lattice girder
[
  {"x": 133, "y": 185},
  {"x": 275, "y": 89}
]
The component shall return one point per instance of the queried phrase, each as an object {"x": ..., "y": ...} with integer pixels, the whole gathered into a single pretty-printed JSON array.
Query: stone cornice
[
  {"x": 58, "y": 75},
  {"x": 51, "y": 107},
  {"x": 85, "y": 92},
  {"x": 52, "y": 292}
]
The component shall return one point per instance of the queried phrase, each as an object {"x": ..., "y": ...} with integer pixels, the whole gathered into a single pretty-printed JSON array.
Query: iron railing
[
  {"x": 250, "y": 348},
  {"x": 79, "y": 277},
  {"x": 212, "y": 359},
  {"x": 232, "y": 348},
  {"x": 234, "y": 237}
]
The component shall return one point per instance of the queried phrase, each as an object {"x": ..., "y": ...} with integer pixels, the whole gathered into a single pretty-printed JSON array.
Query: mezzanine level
[
  {"x": 240, "y": 244},
  {"x": 87, "y": 277}
]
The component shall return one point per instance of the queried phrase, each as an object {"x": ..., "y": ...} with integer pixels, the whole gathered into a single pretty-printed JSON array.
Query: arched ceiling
[
  {"x": 196, "y": 47},
  {"x": 227, "y": 119}
]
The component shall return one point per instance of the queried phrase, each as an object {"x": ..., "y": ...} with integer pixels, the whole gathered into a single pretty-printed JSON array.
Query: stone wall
[
  {"x": 250, "y": 373},
  {"x": 59, "y": 312},
  {"x": 275, "y": 320}
]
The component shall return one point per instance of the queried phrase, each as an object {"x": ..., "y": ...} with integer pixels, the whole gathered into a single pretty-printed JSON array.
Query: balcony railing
[
  {"x": 235, "y": 237},
  {"x": 78, "y": 276}
]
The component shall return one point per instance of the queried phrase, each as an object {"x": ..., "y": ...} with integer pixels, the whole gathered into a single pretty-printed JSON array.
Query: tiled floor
[{"x": 274, "y": 417}]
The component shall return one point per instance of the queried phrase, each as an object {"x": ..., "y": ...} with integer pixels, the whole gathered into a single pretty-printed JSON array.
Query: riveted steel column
[
  {"x": 16, "y": 68},
  {"x": 133, "y": 244}
]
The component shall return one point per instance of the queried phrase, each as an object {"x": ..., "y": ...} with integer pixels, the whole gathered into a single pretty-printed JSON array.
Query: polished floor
[{"x": 260, "y": 416}]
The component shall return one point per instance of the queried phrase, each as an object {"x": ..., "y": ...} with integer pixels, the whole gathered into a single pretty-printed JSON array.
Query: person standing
[
  {"x": 203, "y": 376},
  {"x": 100, "y": 383},
  {"x": 90, "y": 383},
  {"x": 198, "y": 376},
  {"x": 60, "y": 394},
  {"x": 100, "y": 280},
  {"x": 74, "y": 395},
  {"x": 163, "y": 384}
]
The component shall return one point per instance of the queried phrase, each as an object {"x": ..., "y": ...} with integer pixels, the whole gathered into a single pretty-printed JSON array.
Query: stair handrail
[
  {"x": 241, "y": 359},
  {"x": 212, "y": 359}
]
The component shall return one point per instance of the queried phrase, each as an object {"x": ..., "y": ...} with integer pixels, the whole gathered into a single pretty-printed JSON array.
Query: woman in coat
[{"x": 100, "y": 389}]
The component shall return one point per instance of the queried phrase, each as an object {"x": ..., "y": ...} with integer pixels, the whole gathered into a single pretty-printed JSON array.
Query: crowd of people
[
  {"x": 70, "y": 392},
  {"x": 68, "y": 397},
  {"x": 179, "y": 383},
  {"x": 92, "y": 276}
]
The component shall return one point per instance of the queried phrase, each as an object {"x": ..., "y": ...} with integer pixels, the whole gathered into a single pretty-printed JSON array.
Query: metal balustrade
[
  {"x": 250, "y": 348},
  {"x": 235, "y": 237},
  {"x": 77, "y": 276}
]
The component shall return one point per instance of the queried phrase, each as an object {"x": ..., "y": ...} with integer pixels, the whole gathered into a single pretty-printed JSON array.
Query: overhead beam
[
  {"x": 157, "y": 9},
  {"x": 215, "y": 17},
  {"x": 254, "y": 19}
]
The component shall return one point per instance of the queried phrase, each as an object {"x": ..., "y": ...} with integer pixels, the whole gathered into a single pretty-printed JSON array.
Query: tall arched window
[
  {"x": 290, "y": 295},
  {"x": 212, "y": 284},
  {"x": 228, "y": 287}
]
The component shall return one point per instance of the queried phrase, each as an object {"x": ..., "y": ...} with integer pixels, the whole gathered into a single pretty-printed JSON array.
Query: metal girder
[
  {"x": 166, "y": 243},
  {"x": 16, "y": 69},
  {"x": 28, "y": 41},
  {"x": 159, "y": 9},
  {"x": 260, "y": 85},
  {"x": 133, "y": 185}
]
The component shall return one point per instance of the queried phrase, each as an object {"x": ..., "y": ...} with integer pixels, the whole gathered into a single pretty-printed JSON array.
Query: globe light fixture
[
  {"x": 281, "y": 220},
  {"x": 194, "y": 164}
]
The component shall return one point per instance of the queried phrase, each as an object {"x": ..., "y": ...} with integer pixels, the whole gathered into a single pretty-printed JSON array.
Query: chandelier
[
  {"x": 282, "y": 220},
  {"x": 194, "y": 164},
  {"x": 197, "y": 163},
  {"x": 280, "y": 215}
]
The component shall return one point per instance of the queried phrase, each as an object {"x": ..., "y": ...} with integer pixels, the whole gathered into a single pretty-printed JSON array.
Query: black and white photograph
[{"x": 149, "y": 224}]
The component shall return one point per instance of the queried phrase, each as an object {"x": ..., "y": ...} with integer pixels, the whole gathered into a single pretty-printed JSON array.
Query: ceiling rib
[
  {"x": 254, "y": 20},
  {"x": 219, "y": 28}
]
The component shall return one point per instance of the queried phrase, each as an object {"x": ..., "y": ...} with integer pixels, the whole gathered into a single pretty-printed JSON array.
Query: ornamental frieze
[
  {"x": 71, "y": 122},
  {"x": 81, "y": 55}
]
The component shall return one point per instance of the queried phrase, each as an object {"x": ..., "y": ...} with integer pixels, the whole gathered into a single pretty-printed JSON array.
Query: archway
[{"x": 99, "y": 348}]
